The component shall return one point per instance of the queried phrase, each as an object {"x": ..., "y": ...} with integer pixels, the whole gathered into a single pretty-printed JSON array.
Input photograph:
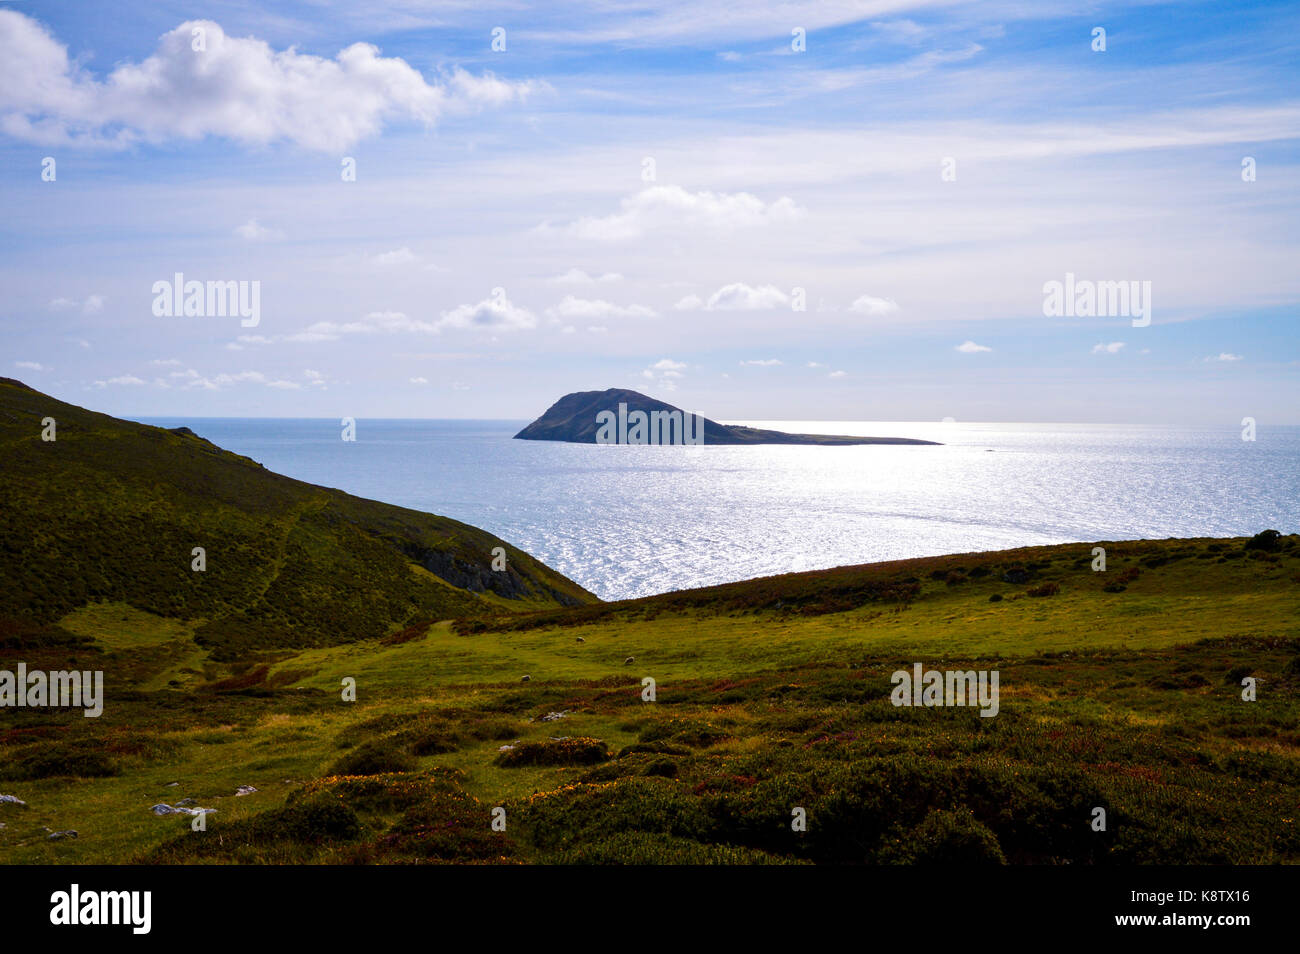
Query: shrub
[
  {"x": 373, "y": 758},
  {"x": 947, "y": 838},
  {"x": 1264, "y": 540},
  {"x": 46, "y": 760},
  {"x": 638, "y": 848},
  {"x": 575, "y": 751},
  {"x": 1050, "y": 588}
]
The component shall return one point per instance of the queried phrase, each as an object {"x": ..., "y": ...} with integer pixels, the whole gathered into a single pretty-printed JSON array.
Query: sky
[{"x": 788, "y": 211}]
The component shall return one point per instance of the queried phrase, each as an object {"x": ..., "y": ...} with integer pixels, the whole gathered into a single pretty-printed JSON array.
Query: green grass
[{"x": 1114, "y": 700}]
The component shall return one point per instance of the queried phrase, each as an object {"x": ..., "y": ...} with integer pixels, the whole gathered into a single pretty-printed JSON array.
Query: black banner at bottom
[{"x": 334, "y": 903}]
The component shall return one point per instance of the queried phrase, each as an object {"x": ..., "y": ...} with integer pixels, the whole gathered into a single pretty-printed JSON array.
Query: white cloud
[
  {"x": 30, "y": 365},
  {"x": 815, "y": 364},
  {"x": 838, "y": 374},
  {"x": 867, "y": 305},
  {"x": 741, "y": 297},
  {"x": 320, "y": 331},
  {"x": 419, "y": 380},
  {"x": 92, "y": 305},
  {"x": 124, "y": 379},
  {"x": 376, "y": 322},
  {"x": 166, "y": 362},
  {"x": 576, "y": 276},
  {"x": 192, "y": 380},
  {"x": 762, "y": 363},
  {"x": 672, "y": 207},
  {"x": 665, "y": 373},
  {"x": 1225, "y": 356},
  {"x": 398, "y": 256},
  {"x": 496, "y": 313},
  {"x": 1113, "y": 348},
  {"x": 584, "y": 309},
  {"x": 235, "y": 88},
  {"x": 254, "y": 231},
  {"x": 970, "y": 347},
  {"x": 689, "y": 303}
]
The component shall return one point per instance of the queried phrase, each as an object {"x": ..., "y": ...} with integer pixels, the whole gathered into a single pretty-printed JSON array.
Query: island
[{"x": 623, "y": 416}]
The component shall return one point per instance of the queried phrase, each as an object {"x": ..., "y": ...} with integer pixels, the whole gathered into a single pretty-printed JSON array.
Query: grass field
[{"x": 1120, "y": 690}]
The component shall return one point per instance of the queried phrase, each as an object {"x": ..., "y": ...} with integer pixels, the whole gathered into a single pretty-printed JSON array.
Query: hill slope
[
  {"x": 573, "y": 418},
  {"x": 1120, "y": 689},
  {"x": 111, "y": 510}
]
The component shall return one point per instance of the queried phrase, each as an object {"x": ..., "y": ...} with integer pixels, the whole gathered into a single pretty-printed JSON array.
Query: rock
[
  {"x": 244, "y": 790},
  {"x": 581, "y": 640},
  {"x": 11, "y": 800},
  {"x": 505, "y": 748},
  {"x": 629, "y": 660},
  {"x": 526, "y": 679},
  {"x": 554, "y": 716},
  {"x": 171, "y": 784},
  {"x": 180, "y": 808},
  {"x": 60, "y": 835}
]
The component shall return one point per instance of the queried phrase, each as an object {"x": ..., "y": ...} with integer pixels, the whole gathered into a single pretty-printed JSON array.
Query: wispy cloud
[{"x": 671, "y": 207}]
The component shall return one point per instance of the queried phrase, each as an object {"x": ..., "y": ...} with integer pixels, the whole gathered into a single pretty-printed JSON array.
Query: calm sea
[{"x": 629, "y": 521}]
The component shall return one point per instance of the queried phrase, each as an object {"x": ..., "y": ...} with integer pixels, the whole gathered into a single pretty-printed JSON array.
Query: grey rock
[
  {"x": 60, "y": 835},
  {"x": 245, "y": 790},
  {"x": 11, "y": 800}
]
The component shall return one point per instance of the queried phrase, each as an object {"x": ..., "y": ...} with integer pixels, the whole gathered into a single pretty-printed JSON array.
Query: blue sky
[{"x": 503, "y": 245}]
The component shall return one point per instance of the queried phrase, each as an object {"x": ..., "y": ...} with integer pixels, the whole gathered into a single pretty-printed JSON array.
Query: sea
[{"x": 626, "y": 521}]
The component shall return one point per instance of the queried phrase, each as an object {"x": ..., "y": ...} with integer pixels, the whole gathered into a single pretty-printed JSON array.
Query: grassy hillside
[
  {"x": 1120, "y": 690},
  {"x": 110, "y": 511}
]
